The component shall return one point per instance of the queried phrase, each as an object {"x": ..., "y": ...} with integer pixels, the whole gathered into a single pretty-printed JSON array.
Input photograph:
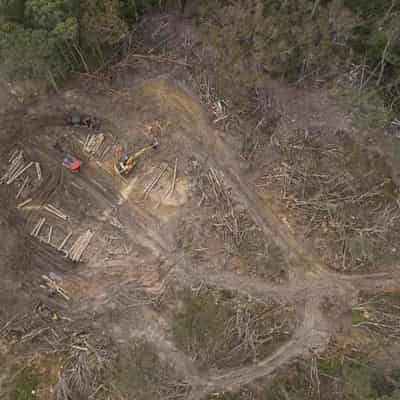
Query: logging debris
[{"x": 77, "y": 249}]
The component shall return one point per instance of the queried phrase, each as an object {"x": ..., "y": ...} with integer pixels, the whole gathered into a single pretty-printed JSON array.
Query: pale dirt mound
[
  {"x": 178, "y": 198},
  {"x": 177, "y": 107},
  {"x": 173, "y": 100}
]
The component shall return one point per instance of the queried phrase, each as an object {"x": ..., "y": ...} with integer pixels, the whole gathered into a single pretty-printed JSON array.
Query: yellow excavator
[{"x": 128, "y": 162}]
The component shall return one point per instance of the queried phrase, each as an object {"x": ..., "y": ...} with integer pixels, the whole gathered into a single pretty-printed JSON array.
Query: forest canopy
[{"x": 46, "y": 39}]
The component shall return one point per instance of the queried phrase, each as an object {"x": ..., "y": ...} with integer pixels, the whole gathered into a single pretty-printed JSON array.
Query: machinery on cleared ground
[
  {"x": 68, "y": 161},
  {"x": 76, "y": 120},
  {"x": 128, "y": 162},
  {"x": 72, "y": 163}
]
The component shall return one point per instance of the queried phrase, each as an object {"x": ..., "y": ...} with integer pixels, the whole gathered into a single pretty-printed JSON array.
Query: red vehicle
[{"x": 70, "y": 162}]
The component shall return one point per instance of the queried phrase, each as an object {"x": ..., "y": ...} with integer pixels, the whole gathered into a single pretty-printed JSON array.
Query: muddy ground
[{"x": 158, "y": 256}]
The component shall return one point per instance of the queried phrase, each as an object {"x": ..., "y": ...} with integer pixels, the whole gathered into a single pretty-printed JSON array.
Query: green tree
[{"x": 46, "y": 39}]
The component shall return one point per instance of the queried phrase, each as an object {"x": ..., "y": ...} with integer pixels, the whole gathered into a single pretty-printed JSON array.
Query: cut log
[
  {"x": 50, "y": 234},
  {"x": 19, "y": 173},
  {"x": 173, "y": 184},
  {"x": 35, "y": 227},
  {"x": 78, "y": 248},
  {"x": 24, "y": 203},
  {"x": 64, "y": 242},
  {"x": 154, "y": 182},
  {"x": 40, "y": 227},
  {"x": 15, "y": 166},
  {"x": 52, "y": 210},
  {"x": 105, "y": 152},
  {"x": 38, "y": 171},
  {"x": 13, "y": 155},
  {"x": 21, "y": 189},
  {"x": 84, "y": 245}
]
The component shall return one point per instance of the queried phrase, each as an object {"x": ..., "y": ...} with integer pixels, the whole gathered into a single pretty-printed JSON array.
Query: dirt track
[{"x": 148, "y": 255}]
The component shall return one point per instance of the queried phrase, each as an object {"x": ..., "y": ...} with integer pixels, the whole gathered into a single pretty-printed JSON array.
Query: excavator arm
[{"x": 125, "y": 166}]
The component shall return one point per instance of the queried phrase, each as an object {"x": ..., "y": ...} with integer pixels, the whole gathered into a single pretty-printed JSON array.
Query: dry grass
[
  {"x": 224, "y": 217},
  {"x": 84, "y": 369},
  {"x": 219, "y": 329},
  {"x": 379, "y": 316},
  {"x": 345, "y": 201},
  {"x": 232, "y": 222},
  {"x": 40, "y": 326},
  {"x": 142, "y": 373}
]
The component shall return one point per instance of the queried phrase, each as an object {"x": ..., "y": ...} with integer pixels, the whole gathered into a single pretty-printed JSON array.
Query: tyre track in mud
[
  {"x": 292, "y": 290},
  {"x": 143, "y": 228},
  {"x": 310, "y": 338},
  {"x": 380, "y": 282}
]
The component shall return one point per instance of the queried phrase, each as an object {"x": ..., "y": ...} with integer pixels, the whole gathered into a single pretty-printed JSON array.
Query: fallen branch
[
  {"x": 8, "y": 323},
  {"x": 35, "y": 333},
  {"x": 57, "y": 288},
  {"x": 157, "y": 59}
]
